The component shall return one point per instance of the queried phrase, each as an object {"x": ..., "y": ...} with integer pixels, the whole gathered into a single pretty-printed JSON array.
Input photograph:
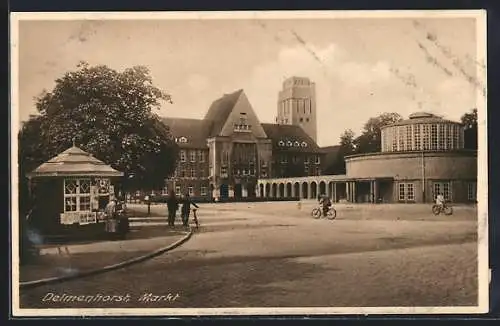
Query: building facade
[
  {"x": 421, "y": 157},
  {"x": 297, "y": 105},
  {"x": 225, "y": 153}
]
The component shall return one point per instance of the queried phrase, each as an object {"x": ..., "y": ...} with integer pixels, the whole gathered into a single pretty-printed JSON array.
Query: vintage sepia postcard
[{"x": 249, "y": 163}]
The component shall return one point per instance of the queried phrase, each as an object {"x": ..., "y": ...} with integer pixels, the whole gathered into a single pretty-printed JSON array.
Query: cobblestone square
[{"x": 277, "y": 255}]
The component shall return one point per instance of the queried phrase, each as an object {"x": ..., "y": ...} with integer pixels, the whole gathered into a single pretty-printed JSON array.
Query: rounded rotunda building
[{"x": 420, "y": 157}]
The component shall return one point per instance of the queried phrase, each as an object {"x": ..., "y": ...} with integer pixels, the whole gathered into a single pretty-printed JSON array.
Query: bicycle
[
  {"x": 317, "y": 212},
  {"x": 438, "y": 209}
]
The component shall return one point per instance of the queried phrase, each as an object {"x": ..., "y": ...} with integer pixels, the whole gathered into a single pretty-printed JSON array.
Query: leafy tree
[
  {"x": 346, "y": 148},
  {"x": 347, "y": 143},
  {"x": 108, "y": 114},
  {"x": 370, "y": 139},
  {"x": 469, "y": 120}
]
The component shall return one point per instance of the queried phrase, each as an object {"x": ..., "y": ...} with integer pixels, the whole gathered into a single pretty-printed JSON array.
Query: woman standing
[{"x": 172, "y": 206}]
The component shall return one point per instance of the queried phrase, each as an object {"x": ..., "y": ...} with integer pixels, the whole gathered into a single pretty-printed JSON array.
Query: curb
[{"x": 126, "y": 263}]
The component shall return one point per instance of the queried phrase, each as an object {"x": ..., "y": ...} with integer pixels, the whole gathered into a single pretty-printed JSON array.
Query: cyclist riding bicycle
[
  {"x": 325, "y": 203},
  {"x": 440, "y": 201}
]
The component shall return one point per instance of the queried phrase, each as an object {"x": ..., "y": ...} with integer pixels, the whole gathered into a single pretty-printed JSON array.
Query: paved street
[{"x": 276, "y": 255}]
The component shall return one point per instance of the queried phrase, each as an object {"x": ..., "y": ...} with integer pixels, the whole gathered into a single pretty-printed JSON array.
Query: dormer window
[
  {"x": 281, "y": 143},
  {"x": 296, "y": 144},
  {"x": 289, "y": 143},
  {"x": 304, "y": 144}
]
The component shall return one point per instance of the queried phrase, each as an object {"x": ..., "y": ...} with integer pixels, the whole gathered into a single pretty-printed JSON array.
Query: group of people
[
  {"x": 325, "y": 202},
  {"x": 173, "y": 203}
]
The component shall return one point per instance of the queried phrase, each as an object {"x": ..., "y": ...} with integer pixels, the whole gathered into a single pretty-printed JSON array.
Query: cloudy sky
[{"x": 361, "y": 66}]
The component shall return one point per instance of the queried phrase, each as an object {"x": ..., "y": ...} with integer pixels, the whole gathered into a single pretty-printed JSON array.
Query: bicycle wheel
[
  {"x": 436, "y": 209},
  {"x": 448, "y": 210},
  {"x": 316, "y": 213},
  {"x": 332, "y": 214}
]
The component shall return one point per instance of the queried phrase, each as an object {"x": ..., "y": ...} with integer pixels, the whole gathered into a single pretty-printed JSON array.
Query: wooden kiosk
[{"x": 69, "y": 193}]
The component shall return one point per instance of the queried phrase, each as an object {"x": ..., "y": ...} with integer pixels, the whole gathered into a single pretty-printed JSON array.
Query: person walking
[
  {"x": 172, "y": 206},
  {"x": 186, "y": 209}
]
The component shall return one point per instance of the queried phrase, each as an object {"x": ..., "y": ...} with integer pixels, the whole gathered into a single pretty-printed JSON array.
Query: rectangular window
[
  {"x": 409, "y": 140},
  {"x": 318, "y": 160},
  {"x": 203, "y": 190},
  {"x": 402, "y": 192},
  {"x": 295, "y": 159},
  {"x": 191, "y": 190},
  {"x": 183, "y": 155},
  {"x": 164, "y": 191},
  {"x": 448, "y": 135},
  {"x": 223, "y": 170},
  {"x": 306, "y": 160},
  {"x": 306, "y": 170},
  {"x": 301, "y": 105},
  {"x": 177, "y": 190},
  {"x": 401, "y": 138},
  {"x": 434, "y": 140},
  {"x": 406, "y": 191},
  {"x": 443, "y": 188},
  {"x": 472, "y": 191},
  {"x": 460, "y": 137},
  {"x": 77, "y": 195},
  {"x": 417, "y": 137},
  {"x": 183, "y": 172},
  {"x": 441, "y": 137},
  {"x": 455, "y": 132},
  {"x": 284, "y": 158},
  {"x": 192, "y": 156},
  {"x": 201, "y": 156},
  {"x": 395, "y": 139},
  {"x": 426, "y": 137},
  {"x": 193, "y": 173}
]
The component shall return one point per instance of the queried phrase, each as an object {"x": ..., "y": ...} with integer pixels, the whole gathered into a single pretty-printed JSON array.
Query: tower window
[
  {"x": 307, "y": 119},
  {"x": 301, "y": 119}
]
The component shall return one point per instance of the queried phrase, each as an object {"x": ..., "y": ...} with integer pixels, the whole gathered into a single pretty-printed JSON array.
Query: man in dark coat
[
  {"x": 172, "y": 206},
  {"x": 186, "y": 209}
]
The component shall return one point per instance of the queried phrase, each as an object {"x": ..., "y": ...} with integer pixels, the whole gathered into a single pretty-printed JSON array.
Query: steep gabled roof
[
  {"x": 219, "y": 112},
  {"x": 194, "y": 130},
  {"x": 281, "y": 135}
]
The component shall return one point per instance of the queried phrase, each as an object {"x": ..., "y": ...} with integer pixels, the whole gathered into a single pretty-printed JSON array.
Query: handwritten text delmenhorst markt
[{"x": 96, "y": 298}]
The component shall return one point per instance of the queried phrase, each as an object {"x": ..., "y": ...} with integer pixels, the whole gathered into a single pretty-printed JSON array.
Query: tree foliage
[
  {"x": 108, "y": 114},
  {"x": 469, "y": 120},
  {"x": 370, "y": 139},
  {"x": 346, "y": 148}
]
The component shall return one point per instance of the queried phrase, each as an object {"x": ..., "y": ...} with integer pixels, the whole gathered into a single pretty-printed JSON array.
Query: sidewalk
[{"x": 67, "y": 260}]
